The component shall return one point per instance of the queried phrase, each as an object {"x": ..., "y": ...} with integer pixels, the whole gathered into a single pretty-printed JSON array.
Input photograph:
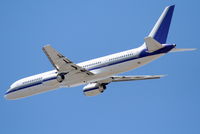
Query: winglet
[{"x": 161, "y": 28}]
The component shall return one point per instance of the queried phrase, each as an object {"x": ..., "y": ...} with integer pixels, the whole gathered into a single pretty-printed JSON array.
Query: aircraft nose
[
  {"x": 12, "y": 94},
  {"x": 7, "y": 95}
]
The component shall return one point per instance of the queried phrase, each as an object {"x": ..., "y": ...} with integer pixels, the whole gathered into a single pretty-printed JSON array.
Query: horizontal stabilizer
[
  {"x": 151, "y": 44},
  {"x": 182, "y": 49},
  {"x": 129, "y": 78},
  {"x": 133, "y": 78}
]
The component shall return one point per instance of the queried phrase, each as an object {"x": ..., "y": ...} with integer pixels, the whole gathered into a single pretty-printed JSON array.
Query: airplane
[{"x": 98, "y": 73}]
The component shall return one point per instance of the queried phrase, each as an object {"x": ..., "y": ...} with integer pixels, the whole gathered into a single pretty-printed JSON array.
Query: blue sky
[{"x": 82, "y": 30}]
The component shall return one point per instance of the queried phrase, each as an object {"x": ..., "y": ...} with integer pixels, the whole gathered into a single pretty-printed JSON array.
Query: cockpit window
[{"x": 14, "y": 85}]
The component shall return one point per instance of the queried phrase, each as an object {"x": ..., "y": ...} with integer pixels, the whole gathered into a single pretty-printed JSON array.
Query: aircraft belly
[
  {"x": 79, "y": 79},
  {"x": 129, "y": 65},
  {"x": 106, "y": 72}
]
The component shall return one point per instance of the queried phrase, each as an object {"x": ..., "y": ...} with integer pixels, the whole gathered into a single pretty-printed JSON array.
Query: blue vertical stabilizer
[{"x": 161, "y": 28}]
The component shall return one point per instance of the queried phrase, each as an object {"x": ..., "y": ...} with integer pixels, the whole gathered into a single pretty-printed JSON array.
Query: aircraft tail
[
  {"x": 151, "y": 44},
  {"x": 159, "y": 33},
  {"x": 161, "y": 28}
]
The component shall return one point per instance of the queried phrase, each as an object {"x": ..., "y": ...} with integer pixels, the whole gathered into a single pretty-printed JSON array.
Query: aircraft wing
[
  {"x": 61, "y": 63},
  {"x": 129, "y": 78}
]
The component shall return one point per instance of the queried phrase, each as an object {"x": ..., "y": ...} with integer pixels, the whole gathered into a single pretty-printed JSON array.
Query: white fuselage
[
  {"x": 102, "y": 68},
  {"x": 96, "y": 70}
]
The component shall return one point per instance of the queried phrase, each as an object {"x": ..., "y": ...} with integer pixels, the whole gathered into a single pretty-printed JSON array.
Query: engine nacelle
[
  {"x": 60, "y": 77},
  {"x": 94, "y": 89}
]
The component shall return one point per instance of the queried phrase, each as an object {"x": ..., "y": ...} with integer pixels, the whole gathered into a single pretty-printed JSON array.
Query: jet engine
[
  {"x": 93, "y": 89},
  {"x": 60, "y": 77}
]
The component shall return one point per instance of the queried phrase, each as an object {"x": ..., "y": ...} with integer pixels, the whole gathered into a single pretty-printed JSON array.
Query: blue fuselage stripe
[
  {"x": 144, "y": 53},
  {"x": 30, "y": 85},
  {"x": 90, "y": 89}
]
